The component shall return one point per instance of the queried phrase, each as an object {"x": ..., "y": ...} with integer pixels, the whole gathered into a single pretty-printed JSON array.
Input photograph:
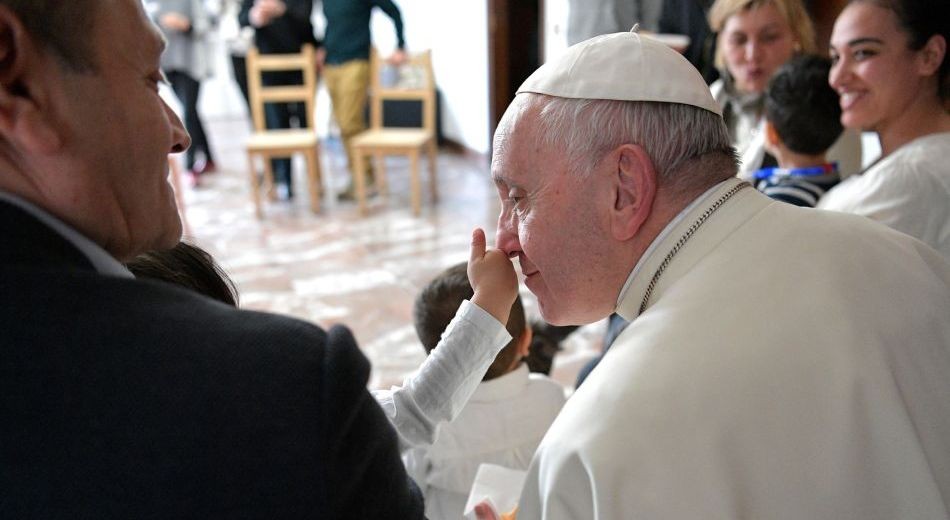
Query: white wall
[
  {"x": 555, "y": 28},
  {"x": 457, "y": 33}
]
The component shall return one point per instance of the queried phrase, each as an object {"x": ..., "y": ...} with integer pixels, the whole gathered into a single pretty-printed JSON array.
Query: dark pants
[
  {"x": 187, "y": 90},
  {"x": 279, "y": 115},
  {"x": 239, "y": 66}
]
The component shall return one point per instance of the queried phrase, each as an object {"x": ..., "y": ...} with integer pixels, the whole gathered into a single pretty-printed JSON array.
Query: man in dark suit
[{"x": 128, "y": 399}]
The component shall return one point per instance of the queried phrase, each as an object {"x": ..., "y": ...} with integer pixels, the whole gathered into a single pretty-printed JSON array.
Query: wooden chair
[
  {"x": 380, "y": 141},
  {"x": 280, "y": 143}
]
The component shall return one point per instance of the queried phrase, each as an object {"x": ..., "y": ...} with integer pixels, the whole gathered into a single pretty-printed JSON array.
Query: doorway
[{"x": 514, "y": 50}]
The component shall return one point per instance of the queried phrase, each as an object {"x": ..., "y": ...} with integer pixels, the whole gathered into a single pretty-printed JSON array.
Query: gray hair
[
  {"x": 689, "y": 146},
  {"x": 62, "y": 26}
]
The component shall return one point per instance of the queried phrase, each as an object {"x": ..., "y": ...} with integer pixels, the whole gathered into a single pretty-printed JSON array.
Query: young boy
[
  {"x": 802, "y": 120},
  {"x": 504, "y": 420}
]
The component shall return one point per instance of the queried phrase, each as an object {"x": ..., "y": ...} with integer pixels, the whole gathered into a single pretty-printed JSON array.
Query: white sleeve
[{"x": 447, "y": 378}]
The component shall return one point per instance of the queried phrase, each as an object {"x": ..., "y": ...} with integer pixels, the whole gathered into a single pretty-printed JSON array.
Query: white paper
[{"x": 499, "y": 486}]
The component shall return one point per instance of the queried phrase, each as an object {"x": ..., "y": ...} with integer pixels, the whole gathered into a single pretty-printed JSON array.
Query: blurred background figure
[
  {"x": 890, "y": 69},
  {"x": 186, "y": 61},
  {"x": 756, "y": 37},
  {"x": 344, "y": 59},
  {"x": 589, "y": 18},
  {"x": 280, "y": 27},
  {"x": 689, "y": 17}
]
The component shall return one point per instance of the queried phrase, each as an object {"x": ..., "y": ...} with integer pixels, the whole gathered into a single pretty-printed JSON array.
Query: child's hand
[{"x": 492, "y": 277}]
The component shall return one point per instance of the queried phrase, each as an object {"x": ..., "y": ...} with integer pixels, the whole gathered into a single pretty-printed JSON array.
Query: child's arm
[{"x": 450, "y": 374}]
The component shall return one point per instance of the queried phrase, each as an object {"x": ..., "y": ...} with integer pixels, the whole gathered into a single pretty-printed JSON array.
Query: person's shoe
[
  {"x": 202, "y": 166},
  {"x": 284, "y": 193},
  {"x": 349, "y": 194},
  {"x": 192, "y": 179}
]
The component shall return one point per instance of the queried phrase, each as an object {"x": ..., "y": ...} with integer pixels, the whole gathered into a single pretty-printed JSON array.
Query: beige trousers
[{"x": 347, "y": 84}]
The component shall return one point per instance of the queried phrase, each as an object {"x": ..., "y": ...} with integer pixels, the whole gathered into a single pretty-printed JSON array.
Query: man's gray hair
[
  {"x": 689, "y": 146},
  {"x": 64, "y": 27}
]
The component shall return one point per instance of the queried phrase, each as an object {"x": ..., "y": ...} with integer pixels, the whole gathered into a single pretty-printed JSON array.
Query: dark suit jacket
[{"x": 133, "y": 399}]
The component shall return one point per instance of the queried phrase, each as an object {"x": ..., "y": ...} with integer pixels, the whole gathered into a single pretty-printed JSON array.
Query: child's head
[
  {"x": 186, "y": 266},
  {"x": 437, "y": 304},
  {"x": 801, "y": 110}
]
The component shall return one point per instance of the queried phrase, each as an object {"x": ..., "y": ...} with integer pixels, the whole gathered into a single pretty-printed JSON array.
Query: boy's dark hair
[
  {"x": 437, "y": 304},
  {"x": 802, "y": 107},
  {"x": 186, "y": 266}
]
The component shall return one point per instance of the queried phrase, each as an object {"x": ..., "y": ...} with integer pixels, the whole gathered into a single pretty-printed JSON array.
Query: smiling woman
[{"x": 890, "y": 69}]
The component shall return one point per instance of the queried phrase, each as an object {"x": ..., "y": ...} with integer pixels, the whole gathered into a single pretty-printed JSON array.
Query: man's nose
[
  {"x": 181, "y": 141},
  {"x": 506, "y": 236}
]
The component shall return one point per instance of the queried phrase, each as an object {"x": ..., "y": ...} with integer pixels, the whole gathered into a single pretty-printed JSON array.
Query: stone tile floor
[{"x": 339, "y": 267}]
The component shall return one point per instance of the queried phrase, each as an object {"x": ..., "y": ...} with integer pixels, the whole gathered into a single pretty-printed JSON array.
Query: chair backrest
[
  {"x": 257, "y": 64},
  {"x": 416, "y": 83}
]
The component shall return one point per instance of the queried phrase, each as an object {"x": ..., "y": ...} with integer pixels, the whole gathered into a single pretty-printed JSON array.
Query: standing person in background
[
  {"x": 280, "y": 27},
  {"x": 689, "y": 17},
  {"x": 755, "y": 38},
  {"x": 890, "y": 69},
  {"x": 186, "y": 61},
  {"x": 345, "y": 62},
  {"x": 589, "y": 18},
  {"x": 238, "y": 39}
]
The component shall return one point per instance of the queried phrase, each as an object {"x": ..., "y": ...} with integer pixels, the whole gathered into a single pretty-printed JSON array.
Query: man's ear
[
  {"x": 771, "y": 134},
  {"x": 772, "y": 139},
  {"x": 24, "y": 118},
  {"x": 634, "y": 190}
]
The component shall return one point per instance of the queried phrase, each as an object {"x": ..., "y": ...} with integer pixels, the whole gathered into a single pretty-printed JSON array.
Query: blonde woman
[
  {"x": 756, "y": 37},
  {"x": 890, "y": 69}
]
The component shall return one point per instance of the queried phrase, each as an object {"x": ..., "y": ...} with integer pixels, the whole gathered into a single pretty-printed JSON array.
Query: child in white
[{"x": 503, "y": 421}]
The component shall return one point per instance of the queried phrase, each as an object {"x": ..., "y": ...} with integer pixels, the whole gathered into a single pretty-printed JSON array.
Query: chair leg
[
  {"x": 433, "y": 173},
  {"x": 268, "y": 181},
  {"x": 382, "y": 183},
  {"x": 313, "y": 178},
  {"x": 359, "y": 177},
  {"x": 255, "y": 186},
  {"x": 415, "y": 187}
]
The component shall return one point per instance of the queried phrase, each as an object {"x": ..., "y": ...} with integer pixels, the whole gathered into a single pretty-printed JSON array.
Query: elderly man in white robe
[{"x": 781, "y": 363}]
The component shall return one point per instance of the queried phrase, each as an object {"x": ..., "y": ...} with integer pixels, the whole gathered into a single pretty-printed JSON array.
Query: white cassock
[{"x": 790, "y": 364}]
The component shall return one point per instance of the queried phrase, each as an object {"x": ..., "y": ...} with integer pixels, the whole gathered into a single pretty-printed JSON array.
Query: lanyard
[{"x": 811, "y": 171}]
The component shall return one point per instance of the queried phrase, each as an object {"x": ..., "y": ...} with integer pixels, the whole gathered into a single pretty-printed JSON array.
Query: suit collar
[{"x": 36, "y": 238}]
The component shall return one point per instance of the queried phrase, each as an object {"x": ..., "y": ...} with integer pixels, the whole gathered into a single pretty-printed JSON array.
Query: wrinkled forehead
[{"x": 519, "y": 119}]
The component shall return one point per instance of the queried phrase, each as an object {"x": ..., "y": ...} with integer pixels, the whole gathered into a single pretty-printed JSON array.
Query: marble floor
[{"x": 339, "y": 267}]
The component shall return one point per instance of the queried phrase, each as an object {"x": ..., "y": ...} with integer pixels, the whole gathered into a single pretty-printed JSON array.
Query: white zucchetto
[{"x": 622, "y": 66}]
